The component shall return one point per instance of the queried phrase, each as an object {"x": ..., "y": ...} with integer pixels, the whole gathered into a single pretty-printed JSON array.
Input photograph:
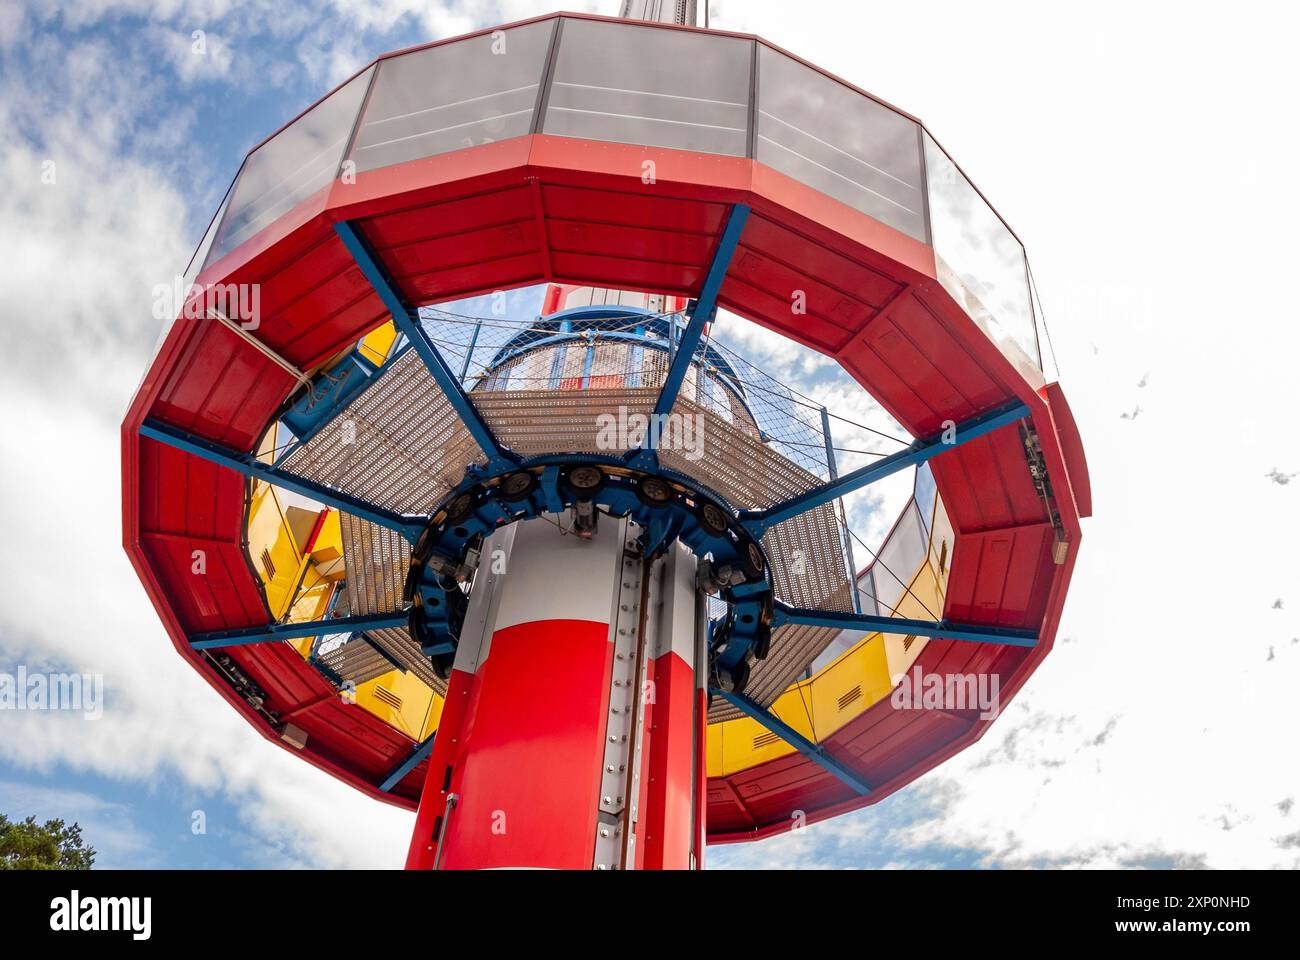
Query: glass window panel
[
  {"x": 887, "y": 588},
  {"x": 902, "y": 553},
  {"x": 925, "y": 493},
  {"x": 298, "y": 161},
  {"x": 200, "y": 257},
  {"x": 867, "y": 593},
  {"x": 980, "y": 261},
  {"x": 652, "y": 86},
  {"x": 455, "y": 95},
  {"x": 838, "y": 141}
]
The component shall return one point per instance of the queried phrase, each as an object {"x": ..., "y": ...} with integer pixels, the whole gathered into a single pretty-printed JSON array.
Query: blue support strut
[
  {"x": 683, "y": 351},
  {"x": 870, "y": 623},
  {"x": 293, "y": 631},
  {"x": 790, "y": 735},
  {"x": 399, "y": 772},
  {"x": 408, "y": 323},
  {"x": 758, "y": 522},
  {"x": 247, "y": 464},
  {"x": 706, "y": 306}
]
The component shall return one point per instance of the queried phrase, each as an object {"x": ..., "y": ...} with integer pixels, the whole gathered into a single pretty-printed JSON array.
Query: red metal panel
[
  {"x": 530, "y": 778},
  {"x": 666, "y": 822},
  {"x": 443, "y": 758},
  {"x": 808, "y": 257}
]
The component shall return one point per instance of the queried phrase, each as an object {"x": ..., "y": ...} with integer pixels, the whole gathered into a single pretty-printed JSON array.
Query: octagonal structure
[{"x": 581, "y": 150}]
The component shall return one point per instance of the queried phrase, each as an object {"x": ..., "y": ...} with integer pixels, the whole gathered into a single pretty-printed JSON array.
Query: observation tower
[{"x": 577, "y": 585}]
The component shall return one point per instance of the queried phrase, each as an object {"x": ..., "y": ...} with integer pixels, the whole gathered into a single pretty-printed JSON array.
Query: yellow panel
[
  {"x": 378, "y": 343},
  {"x": 329, "y": 542},
  {"x": 313, "y": 598},
  {"x": 713, "y": 752},
  {"x": 276, "y": 556},
  {"x": 402, "y": 701}
]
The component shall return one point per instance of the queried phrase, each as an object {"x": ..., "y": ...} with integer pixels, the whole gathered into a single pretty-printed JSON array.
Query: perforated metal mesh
[
  {"x": 377, "y": 560},
  {"x": 538, "y": 422},
  {"x": 357, "y": 660},
  {"x": 399, "y": 645},
  {"x": 399, "y": 445}
]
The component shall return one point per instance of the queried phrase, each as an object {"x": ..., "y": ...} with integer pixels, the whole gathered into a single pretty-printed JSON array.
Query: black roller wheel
[
  {"x": 518, "y": 486},
  {"x": 713, "y": 518},
  {"x": 585, "y": 480},
  {"x": 751, "y": 559},
  {"x": 654, "y": 492}
]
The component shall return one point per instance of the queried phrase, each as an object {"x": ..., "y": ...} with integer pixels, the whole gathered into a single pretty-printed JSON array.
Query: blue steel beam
[
  {"x": 758, "y": 522},
  {"x": 399, "y": 772},
  {"x": 790, "y": 735},
  {"x": 407, "y": 322},
  {"x": 706, "y": 306},
  {"x": 293, "y": 631},
  {"x": 247, "y": 464},
  {"x": 870, "y": 623}
]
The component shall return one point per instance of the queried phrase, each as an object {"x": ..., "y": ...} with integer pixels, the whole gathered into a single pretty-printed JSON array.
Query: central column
[{"x": 572, "y": 735}]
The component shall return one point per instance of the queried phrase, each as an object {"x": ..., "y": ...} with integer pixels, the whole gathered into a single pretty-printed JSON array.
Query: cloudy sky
[{"x": 1142, "y": 151}]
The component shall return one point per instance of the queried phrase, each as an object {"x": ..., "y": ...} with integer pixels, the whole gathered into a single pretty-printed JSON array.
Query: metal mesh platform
[
  {"x": 377, "y": 561},
  {"x": 538, "y": 422},
  {"x": 355, "y": 660},
  {"x": 364, "y": 657},
  {"x": 399, "y": 445},
  {"x": 397, "y": 643}
]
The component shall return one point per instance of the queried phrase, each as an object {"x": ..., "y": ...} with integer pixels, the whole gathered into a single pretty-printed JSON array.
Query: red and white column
[{"x": 572, "y": 733}]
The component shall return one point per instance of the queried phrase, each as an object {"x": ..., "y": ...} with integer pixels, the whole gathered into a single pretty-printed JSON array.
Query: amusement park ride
[{"x": 578, "y": 589}]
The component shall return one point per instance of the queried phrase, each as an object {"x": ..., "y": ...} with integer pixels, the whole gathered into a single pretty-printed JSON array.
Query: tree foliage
[{"x": 28, "y": 845}]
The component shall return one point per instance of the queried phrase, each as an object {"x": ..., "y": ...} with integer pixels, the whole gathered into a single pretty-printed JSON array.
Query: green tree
[{"x": 30, "y": 846}]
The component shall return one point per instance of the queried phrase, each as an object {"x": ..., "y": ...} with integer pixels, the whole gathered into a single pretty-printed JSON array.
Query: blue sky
[{"x": 1150, "y": 198}]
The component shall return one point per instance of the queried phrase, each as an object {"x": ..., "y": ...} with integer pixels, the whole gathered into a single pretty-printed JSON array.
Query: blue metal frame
[
  {"x": 706, "y": 305},
  {"x": 247, "y": 464},
  {"x": 758, "y": 522},
  {"x": 870, "y": 623},
  {"x": 573, "y": 323},
  {"x": 399, "y": 772},
  {"x": 682, "y": 350},
  {"x": 293, "y": 631},
  {"x": 790, "y": 735},
  {"x": 449, "y": 541},
  {"x": 407, "y": 322}
]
